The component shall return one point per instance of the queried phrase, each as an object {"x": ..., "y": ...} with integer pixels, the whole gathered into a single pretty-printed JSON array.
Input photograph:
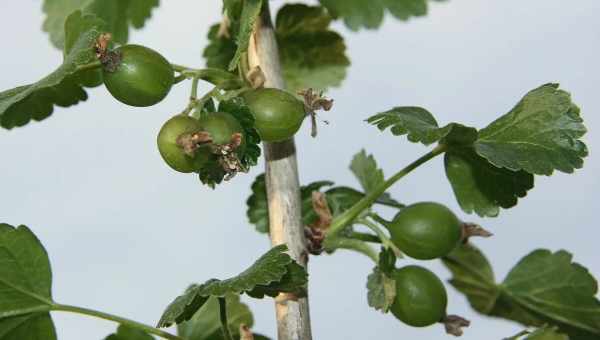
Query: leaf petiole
[
  {"x": 118, "y": 319},
  {"x": 346, "y": 218}
]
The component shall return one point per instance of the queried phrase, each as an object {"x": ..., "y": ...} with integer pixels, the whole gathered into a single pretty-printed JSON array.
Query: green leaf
[
  {"x": 544, "y": 333},
  {"x": 356, "y": 13},
  {"x": 257, "y": 204},
  {"x": 312, "y": 55},
  {"x": 273, "y": 273},
  {"x": 128, "y": 333},
  {"x": 421, "y": 127},
  {"x": 250, "y": 13},
  {"x": 118, "y": 14},
  {"x": 35, "y": 101},
  {"x": 38, "y": 326},
  {"x": 547, "y": 333},
  {"x": 206, "y": 324},
  {"x": 539, "y": 135},
  {"x": 473, "y": 276},
  {"x": 543, "y": 288},
  {"x": 481, "y": 187},
  {"x": 364, "y": 167},
  {"x": 381, "y": 290},
  {"x": 359, "y": 14},
  {"x": 220, "y": 50},
  {"x": 25, "y": 275}
]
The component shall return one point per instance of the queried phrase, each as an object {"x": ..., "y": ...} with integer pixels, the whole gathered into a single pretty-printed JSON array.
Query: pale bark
[{"x": 283, "y": 190}]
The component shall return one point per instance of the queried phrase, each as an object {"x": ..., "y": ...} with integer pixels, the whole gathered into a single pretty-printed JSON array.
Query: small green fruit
[
  {"x": 425, "y": 230},
  {"x": 142, "y": 76},
  {"x": 171, "y": 152},
  {"x": 421, "y": 298},
  {"x": 278, "y": 114}
]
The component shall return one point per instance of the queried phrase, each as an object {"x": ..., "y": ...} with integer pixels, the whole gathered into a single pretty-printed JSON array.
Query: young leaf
[
  {"x": 359, "y": 14},
  {"x": 272, "y": 273},
  {"x": 38, "y": 326},
  {"x": 539, "y": 135},
  {"x": 118, "y": 14},
  {"x": 128, "y": 333},
  {"x": 312, "y": 55},
  {"x": 366, "y": 171},
  {"x": 421, "y": 127},
  {"x": 35, "y": 101},
  {"x": 381, "y": 290},
  {"x": 25, "y": 275},
  {"x": 205, "y": 324},
  {"x": 250, "y": 13},
  {"x": 481, "y": 187},
  {"x": 543, "y": 288}
]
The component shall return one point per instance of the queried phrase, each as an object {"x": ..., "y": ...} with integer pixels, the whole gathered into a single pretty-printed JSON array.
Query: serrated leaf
[
  {"x": 381, "y": 290},
  {"x": 220, "y": 49},
  {"x": 481, "y": 187},
  {"x": 272, "y": 273},
  {"x": 539, "y": 135},
  {"x": 35, "y": 101},
  {"x": 25, "y": 275},
  {"x": 473, "y": 276},
  {"x": 364, "y": 167},
  {"x": 212, "y": 173},
  {"x": 118, "y": 14},
  {"x": 312, "y": 55},
  {"x": 38, "y": 326},
  {"x": 129, "y": 333},
  {"x": 358, "y": 14},
  {"x": 257, "y": 204},
  {"x": 543, "y": 288},
  {"x": 250, "y": 13},
  {"x": 206, "y": 324},
  {"x": 421, "y": 127}
]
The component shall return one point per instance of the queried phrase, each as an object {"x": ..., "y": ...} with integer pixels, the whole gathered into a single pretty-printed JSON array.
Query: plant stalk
[
  {"x": 118, "y": 319},
  {"x": 283, "y": 188}
]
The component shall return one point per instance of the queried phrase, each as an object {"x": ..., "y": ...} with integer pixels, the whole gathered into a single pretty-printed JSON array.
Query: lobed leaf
[
  {"x": 364, "y": 167},
  {"x": 481, "y": 187},
  {"x": 118, "y": 14},
  {"x": 539, "y": 135},
  {"x": 312, "y": 55},
  {"x": 359, "y": 14},
  {"x": 543, "y": 288},
  {"x": 62, "y": 87},
  {"x": 420, "y": 126},
  {"x": 381, "y": 290},
  {"x": 128, "y": 333},
  {"x": 271, "y": 274}
]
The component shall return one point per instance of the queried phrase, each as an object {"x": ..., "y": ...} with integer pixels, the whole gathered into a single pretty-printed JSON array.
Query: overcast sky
[{"x": 126, "y": 234}]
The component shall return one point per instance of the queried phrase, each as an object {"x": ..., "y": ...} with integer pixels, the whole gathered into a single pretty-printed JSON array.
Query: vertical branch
[{"x": 283, "y": 189}]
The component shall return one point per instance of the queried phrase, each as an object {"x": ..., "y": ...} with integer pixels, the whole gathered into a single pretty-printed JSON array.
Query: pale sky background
[{"x": 126, "y": 234}]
